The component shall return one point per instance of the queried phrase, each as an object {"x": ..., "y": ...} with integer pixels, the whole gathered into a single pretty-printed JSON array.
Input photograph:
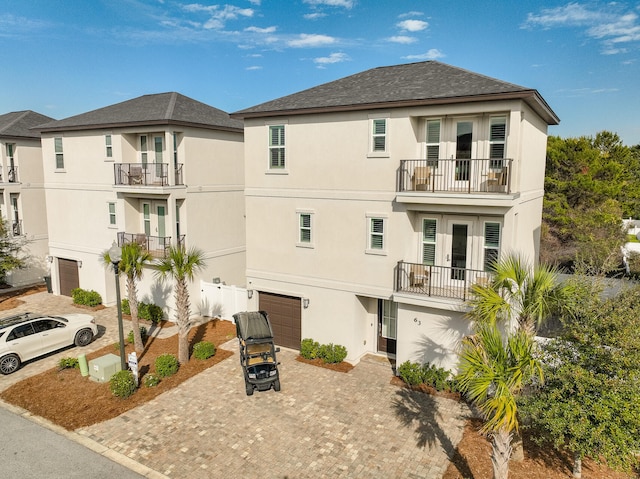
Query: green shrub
[
  {"x": 86, "y": 298},
  {"x": 143, "y": 333},
  {"x": 204, "y": 350},
  {"x": 435, "y": 377},
  {"x": 309, "y": 348},
  {"x": 150, "y": 312},
  {"x": 166, "y": 365},
  {"x": 122, "y": 384},
  {"x": 68, "y": 363},
  {"x": 151, "y": 380},
  {"x": 411, "y": 373},
  {"x": 332, "y": 353}
]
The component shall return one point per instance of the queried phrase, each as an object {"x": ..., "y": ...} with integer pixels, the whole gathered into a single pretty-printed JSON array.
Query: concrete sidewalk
[{"x": 323, "y": 424}]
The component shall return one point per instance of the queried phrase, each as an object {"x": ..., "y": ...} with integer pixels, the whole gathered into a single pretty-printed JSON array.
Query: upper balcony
[
  {"x": 141, "y": 175},
  {"x": 466, "y": 179},
  {"x": 12, "y": 175},
  {"x": 157, "y": 246},
  {"x": 437, "y": 281}
]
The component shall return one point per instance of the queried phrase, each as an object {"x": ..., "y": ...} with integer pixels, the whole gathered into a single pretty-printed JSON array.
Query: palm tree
[
  {"x": 519, "y": 295},
  {"x": 132, "y": 263},
  {"x": 181, "y": 265},
  {"x": 493, "y": 371}
]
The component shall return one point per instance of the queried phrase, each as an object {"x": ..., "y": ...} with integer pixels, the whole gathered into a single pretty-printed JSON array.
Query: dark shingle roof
[
  {"x": 158, "y": 109},
  {"x": 400, "y": 85},
  {"x": 19, "y": 124}
]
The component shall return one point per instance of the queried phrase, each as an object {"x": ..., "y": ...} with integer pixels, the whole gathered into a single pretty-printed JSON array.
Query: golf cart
[{"x": 257, "y": 351}]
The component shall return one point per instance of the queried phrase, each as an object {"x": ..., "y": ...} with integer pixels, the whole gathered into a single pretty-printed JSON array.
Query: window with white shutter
[
  {"x": 433, "y": 142},
  {"x": 59, "y": 153},
  {"x": 491, "y": 245},
  {"x": 497, "y": 141},
  {"x": 276, "y": 147},
  {"x": 429, "y": 227},
  {"x": 108, "y": 146},
  {"x": 305, "y": 227}
]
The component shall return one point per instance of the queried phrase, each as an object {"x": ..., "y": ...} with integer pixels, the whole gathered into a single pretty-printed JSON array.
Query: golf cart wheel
[
  {"x": 276, "y": 385},
  {"x": 249, "y": 388}
]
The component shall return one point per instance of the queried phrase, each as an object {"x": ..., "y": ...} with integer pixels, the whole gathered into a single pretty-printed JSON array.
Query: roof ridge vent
[{"x": 171, "y": 106}]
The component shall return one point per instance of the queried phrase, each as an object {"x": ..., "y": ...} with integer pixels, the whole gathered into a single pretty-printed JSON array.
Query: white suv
[{"x": 27, "y": 336}]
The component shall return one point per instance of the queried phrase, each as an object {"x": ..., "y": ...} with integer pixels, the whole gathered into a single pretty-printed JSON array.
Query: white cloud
[
  {"x": 412, "y": 25},
  {"x": 260, "y": 30},
  {"x": 402, "y": 39},
  {"x": 332, "y": 3},
  {"x": 314, "y": 16},
  {"x": 333, "y": 58},
  {"x": 410, "y": 14},
  {"x": 610, "y": 25},
  {"x": 432, "y": 54},
  {"x": 218, "y": 16},
  {"x": 311, "y": 40},
  {"x": 255, "y": 67}
]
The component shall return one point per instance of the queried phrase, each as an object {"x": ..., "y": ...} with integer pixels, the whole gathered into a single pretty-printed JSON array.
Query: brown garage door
[
  {"x": 68, "y": 274},
  {"x": 284, "y": 315}
]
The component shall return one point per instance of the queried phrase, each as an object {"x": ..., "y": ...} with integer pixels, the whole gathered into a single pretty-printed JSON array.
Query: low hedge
[
  {"x": 329, "y": 353},
  {"x": 150, "y": 312},
  {"x": 86, "y": 297}
]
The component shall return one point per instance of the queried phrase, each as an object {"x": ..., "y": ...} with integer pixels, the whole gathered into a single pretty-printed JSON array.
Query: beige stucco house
[
  {"x": 22, "y": 197},
  {"x": 373, "y": 203},
  {"x": 159, "y": 170}
]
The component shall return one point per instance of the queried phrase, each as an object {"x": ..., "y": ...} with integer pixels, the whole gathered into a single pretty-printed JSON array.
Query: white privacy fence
[{"x": 218, "y": 300}]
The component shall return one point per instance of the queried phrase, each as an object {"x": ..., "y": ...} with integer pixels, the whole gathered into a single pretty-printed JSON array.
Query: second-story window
[
  {"x": 305, "y": 228},
  {"x": 276, "y": 147},
  {"x": 429, "y": 227},
  {"x": 379, "y": 135},
  {"x": 491, "y": 245},
  {"x": 112, "y": 214},
  {"x": 157, "y": 144},
  {"x": 107, "y": 144},
  {"x": 12, "y": 171},
  {"x": 376, "y": 234},
  {"x": 59, "y": 153},
  {"x": 497, "y": 141}
]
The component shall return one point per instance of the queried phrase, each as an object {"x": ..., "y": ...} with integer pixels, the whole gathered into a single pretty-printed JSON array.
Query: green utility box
[{"x": 101, "y": 369}]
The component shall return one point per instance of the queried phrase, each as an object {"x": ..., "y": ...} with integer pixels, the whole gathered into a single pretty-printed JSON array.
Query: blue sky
[{"x": 65, "y": 57}]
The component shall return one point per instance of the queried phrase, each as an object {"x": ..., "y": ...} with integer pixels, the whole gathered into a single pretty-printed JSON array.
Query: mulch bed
[{"x": 70, "y": 400}]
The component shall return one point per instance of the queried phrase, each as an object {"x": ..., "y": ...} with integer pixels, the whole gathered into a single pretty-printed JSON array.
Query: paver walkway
[{"x": 323, "y": 424}]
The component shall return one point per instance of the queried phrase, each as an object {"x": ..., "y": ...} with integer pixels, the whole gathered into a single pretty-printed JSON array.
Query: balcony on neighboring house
[
  {"x": 16, "y": 228},
  {"x": 437, "y": 281},
  {"x": 157, "y": 246},
  {"x": 456, "y": 176},
  {"x": 146, "y": 174}
]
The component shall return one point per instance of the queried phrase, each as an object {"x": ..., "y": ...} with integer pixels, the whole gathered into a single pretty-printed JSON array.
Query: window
[
  {"x": 379, "y": 135},
  {"x": 491, "y": 245},
  {"x": 143, "y": 149},
  {"x": 389, "y": 319},
  {"x": 112, "y": 214},
  {"x": 59, "y": 154},
  {"x": 157, "y": 142},
  {"x": 107, "y": 142},
  {"x": 429, "y": 227},
  {"x": 497, "y": 141},
  {"x": 305, "y": 228},
  {"x": 10, "y": 148},
  {"x": 12, "y": 171},
  {"x": 146, "y": 218},
  {"x": 433, "y": 142},
  {"x": 276, "y": 147},
  {"x": 376, "y": 234},
  {"x": 21, "y": 331}
]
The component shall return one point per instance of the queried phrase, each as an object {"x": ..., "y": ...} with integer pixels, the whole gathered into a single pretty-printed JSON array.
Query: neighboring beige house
[
  {"x": 159, "y": 170},
  {"x": 22, "y": 199},
  {"x": 374, "y": 202}
]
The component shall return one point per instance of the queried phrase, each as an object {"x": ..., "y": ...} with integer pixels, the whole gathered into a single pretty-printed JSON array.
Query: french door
[{"x": 458, "y": 248}]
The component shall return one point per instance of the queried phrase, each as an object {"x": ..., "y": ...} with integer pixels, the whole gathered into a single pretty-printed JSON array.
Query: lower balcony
[
  {"x": 157, "y": 246},
  {"x": 437, "y": 281}
]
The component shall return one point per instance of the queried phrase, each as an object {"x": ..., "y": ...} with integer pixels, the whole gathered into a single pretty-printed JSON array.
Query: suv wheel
[
  {"x": 9, "y": 364},
  {"x": 83, "y": 337}
]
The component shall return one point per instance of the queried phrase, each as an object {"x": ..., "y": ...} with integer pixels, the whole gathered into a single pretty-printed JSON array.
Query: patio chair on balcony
[
  {"x": 421, "y": 178},
  {"x": 497, "y": 180},
  {"x": 141, "y": 239},
  {"x": 418, "y": 276},
  {"x": 135, "y": 175}
]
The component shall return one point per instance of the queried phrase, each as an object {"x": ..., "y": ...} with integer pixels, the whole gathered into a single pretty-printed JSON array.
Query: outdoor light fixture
[
  {"x": 249, "y": 293},
  {"x": 305, "y": 303},
  {"x": 115, "y": 255}
]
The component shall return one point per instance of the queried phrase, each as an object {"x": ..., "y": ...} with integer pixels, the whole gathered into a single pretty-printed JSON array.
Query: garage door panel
[
  {"x": 285, "y": 317},
  {"x": 68, "y": 276}
]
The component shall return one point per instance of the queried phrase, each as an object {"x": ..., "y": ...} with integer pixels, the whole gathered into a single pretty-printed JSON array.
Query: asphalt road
[{"x": 29, "y": 451}]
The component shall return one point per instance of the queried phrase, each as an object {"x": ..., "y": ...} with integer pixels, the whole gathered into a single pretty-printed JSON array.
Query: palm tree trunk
[
  {"x": 501, "y": 452},
  {"x": 182, "y": 307},
  {"x": 133, "y": 306},
  {"x": 517, "y": 448},
  {"x": 577, "y": 465}
]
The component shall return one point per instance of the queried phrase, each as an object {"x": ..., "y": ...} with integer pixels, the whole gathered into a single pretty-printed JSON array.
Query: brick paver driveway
[{"x": 322, "y": 424}]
